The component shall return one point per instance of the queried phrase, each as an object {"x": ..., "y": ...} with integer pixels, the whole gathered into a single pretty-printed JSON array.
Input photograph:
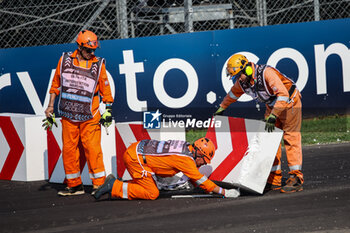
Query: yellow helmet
[{"x": 235, "y": 65}]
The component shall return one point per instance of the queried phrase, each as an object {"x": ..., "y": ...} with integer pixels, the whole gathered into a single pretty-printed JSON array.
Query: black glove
[
  {"x": 270, "y": 123},
  {"x": 220, "y": 111},
  {"x": 106, "y": 118}
]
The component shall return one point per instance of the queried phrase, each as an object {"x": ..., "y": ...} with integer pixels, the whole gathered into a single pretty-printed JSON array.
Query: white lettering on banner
[
  {"x": 227, "y": 83},
  {"x": 27, "y": 84},
  {"x": 321, "y": 56},
  {"x": 158, "y": 83},
  {"x": 130, "y": 68},
  {"x": 5, "y": 80},
  {"x": 298, "y": 58},
  {"x": 47, "y": 95},
  {"x": 31, "y": 92},
  {"x": 111, "y": 83}
]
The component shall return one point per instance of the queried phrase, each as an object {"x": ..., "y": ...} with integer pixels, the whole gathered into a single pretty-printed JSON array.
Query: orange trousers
[
  {"x": 89, "y": 133},
  {"x": 142, "y": 185},
  {"x": 290, "y": 122}
]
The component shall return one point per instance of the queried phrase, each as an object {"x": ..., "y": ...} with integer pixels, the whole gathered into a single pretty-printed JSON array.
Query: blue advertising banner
[{"x": 184, "y": 74}]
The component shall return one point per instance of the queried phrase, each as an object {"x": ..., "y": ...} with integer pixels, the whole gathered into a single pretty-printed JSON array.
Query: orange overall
[
  {"x": 287, "y": 109},
  {"x": 143, "y": 186},
  {"x": 88, "y": 132}
]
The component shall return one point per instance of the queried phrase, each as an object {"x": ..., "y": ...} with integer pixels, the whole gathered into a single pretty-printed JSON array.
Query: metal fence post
[
  {"x": 232, "y": 22},
  {"x": 123, "y": 19},
  {"x": 317, "y": 10},
  {"x": 258, "y": 12},
  {"x": 261, "y": 12},
  {"x": 188, "y": 16},
  {"x": 264, "y": 13}
]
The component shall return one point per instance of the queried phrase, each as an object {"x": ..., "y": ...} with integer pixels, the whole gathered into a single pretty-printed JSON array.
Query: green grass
[
  {"x": 319, "y": 130},
  {"x": 323, "y": 130},
  {"x": 192, "y": 134}
]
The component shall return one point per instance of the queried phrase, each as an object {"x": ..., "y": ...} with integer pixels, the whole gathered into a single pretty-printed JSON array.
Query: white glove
[{"x": 233, "y": 193}]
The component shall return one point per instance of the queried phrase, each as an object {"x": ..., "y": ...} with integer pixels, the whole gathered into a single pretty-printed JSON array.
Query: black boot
[
  {"x": 106, "y": 187},
  {"x": 69, "y": 191}
]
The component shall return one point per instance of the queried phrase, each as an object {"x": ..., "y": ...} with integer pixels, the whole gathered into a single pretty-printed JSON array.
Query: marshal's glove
[
  {"x": 220, "y": 111},
  {"x": 106, "y": 118},
  {"x": 49, "y": 121},
  {"x": 270, "y": 123}
]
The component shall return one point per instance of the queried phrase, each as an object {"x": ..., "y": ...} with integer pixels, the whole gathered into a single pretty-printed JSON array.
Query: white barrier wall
[
  {"x": 29, "y": 153},
  {"x": 244, "y": 155},
  {"x": 245, "y": 152},
  {"x": 22, "y": 147}
]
